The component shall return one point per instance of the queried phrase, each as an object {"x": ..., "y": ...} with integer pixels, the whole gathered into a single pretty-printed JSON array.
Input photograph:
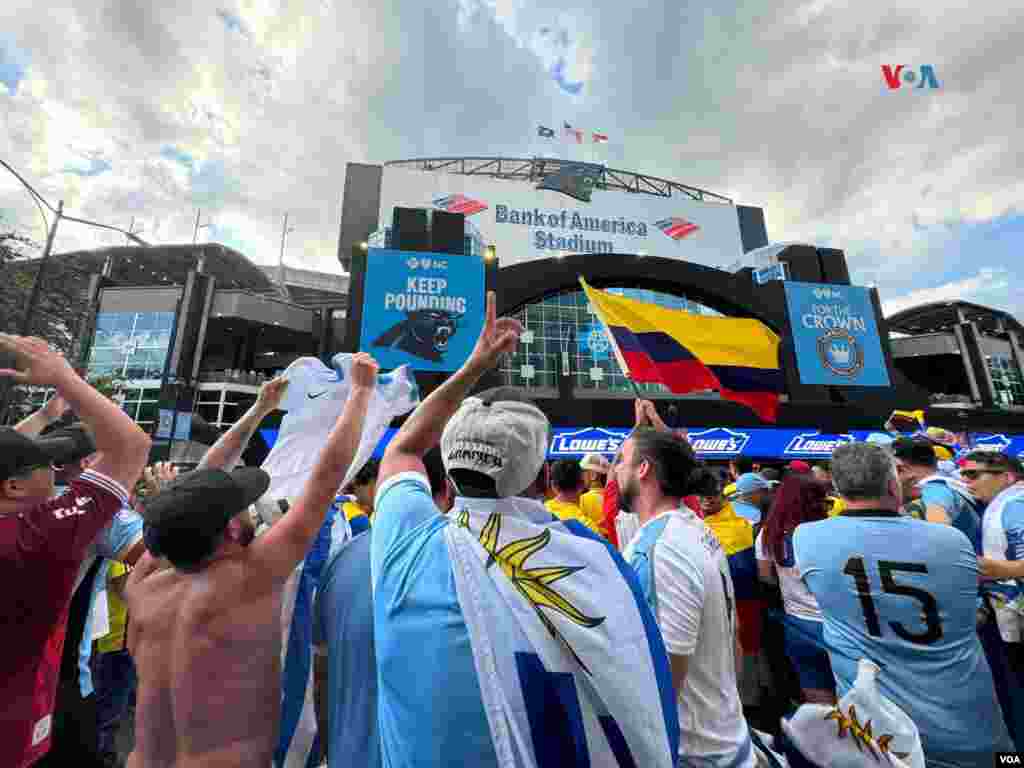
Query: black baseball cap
[
  {"x": 914, "y": 451},
  {"x": 77, "y": 433},
  {"x": 184, "y": 520},
  {"x": 19, "y": 453}
]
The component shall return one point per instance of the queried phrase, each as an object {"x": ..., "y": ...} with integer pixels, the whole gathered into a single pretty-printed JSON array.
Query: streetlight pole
[
  {"x": 37, "y": 281},
  {"x": 280, "y": 260}
]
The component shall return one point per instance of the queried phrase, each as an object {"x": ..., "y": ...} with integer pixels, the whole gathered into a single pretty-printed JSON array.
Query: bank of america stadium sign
[{"x": 525, "y": 224}]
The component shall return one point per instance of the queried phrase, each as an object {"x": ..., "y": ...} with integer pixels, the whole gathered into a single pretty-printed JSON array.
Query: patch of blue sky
[
  {"x": 95, "y": 167},
  {"x": 211, "y": 184},
  {"x": 178, "y": 156},
  {"x": 233, "y": 22},
  {"x": 994, "y": 243},
  {"x": 13, "y": 65}
]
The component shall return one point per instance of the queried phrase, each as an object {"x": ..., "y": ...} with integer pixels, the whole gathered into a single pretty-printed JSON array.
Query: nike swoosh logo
[{"x": 311, "y": 396}]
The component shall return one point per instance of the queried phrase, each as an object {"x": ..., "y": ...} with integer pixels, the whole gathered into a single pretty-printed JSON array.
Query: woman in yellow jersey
[
  {"x": 567, "y": 481},
  {"x": 595, "y": 473},
  {"x": 113, "y": 669}
]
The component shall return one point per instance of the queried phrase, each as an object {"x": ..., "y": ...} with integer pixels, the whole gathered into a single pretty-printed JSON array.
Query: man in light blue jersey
[
  {"x": 346, "y": 669},
  {"x": 995, "y": 478},
  {"x": 539, "y": 606},
  {"x": 903, "y": 593},
  {"x": 685, "y": 577},
  {"x": 945, "y": 499}
]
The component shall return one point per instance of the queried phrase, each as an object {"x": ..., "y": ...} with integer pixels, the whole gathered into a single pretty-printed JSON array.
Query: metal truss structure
[{"x": 537, "y": 168}]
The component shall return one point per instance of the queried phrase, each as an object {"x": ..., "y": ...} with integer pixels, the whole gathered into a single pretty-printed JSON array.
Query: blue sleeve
[
  {"x": 359, "y": 524},
  {"x": 939, "y": 495},
  {"x": 123, "y": 532},
  {"x": 802, "y": 546},
  {"x": 1013, "y": 524},
  {"x": 403, "y": 503}
]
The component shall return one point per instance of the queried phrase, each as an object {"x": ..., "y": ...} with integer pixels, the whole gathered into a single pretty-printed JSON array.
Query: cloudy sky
[{"x": 249, "y": 109}]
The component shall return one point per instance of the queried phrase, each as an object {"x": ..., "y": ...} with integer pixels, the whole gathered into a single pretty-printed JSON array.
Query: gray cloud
[{"x": 778, "y": 104}]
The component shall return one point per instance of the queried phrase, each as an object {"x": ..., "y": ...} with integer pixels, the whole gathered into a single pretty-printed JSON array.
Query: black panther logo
[{"x": 424, "y": 333}]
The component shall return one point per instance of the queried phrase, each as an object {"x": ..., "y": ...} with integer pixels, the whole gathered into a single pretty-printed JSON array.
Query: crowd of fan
[{"x": 142, "y": 613}]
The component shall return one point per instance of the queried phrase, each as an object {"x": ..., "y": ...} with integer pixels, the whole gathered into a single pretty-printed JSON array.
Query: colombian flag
[
  {"x": 736, "y": 535},
  {"x": 687, "y": 353}
]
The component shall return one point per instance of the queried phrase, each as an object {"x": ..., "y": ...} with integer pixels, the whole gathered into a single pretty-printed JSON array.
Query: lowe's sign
[
  {"x": 577, "y": 442},
  {"x": 720, "y": 443},
  {"x": 816, "y": 444}
]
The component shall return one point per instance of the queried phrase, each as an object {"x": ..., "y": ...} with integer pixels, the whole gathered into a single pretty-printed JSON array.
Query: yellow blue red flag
[{"x": 739, "y": 357}]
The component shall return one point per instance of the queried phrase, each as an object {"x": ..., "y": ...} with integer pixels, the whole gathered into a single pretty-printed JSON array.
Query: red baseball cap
[{"x": 799, "y": 466}]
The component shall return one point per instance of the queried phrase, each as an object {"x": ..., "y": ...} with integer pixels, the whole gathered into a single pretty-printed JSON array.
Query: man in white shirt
[{"x": 684, "y": 574}]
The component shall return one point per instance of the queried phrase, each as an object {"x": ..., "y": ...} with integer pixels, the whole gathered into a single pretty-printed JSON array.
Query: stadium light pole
[{"x": 280, "y": 259}]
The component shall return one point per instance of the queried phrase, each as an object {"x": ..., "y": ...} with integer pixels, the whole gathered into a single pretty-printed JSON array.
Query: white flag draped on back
[
  {"x": 571, "y": 666},
  {"x": 314, "y": 400}
]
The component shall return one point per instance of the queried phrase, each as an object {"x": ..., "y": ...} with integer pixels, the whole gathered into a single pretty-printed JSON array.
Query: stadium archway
[{"x": 533, "y": 281}]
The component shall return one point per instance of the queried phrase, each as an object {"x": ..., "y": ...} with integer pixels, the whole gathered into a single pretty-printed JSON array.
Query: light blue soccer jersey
[
  {"x": 343, "y": 621},
  {"x": 123, "y": 532},
  {"x": 903, "y": 593},
  {"x": 961, "y": 512},
  {"x": 430, "y": 710}
]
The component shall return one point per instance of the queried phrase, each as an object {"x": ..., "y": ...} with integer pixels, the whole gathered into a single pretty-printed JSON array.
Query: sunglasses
[{"x": 973, "y": 474}]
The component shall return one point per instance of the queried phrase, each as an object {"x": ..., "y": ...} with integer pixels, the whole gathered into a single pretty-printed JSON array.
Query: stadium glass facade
[
  {"x": 1006, "y": 380},
  {"x": 564, "y": 325},
  {"x": 132, "y": 348}
]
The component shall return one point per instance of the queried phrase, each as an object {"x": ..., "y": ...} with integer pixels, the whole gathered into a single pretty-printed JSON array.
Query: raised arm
[
  {"x": 229, "y": 448},
  {"x": 279, "y": 550},
  {"x": 122, "y": 443},
  {"x": 422, "y": 431},
  {"x": 33, "y": 426}
]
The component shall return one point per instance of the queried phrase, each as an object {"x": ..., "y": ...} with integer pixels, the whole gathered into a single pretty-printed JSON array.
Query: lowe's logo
[
  {"x": 816, "y": 444},
  {"x": 719, "y": 442},
  {"x": 589, "y": 440},
  {"x": 998, "y": 443}
]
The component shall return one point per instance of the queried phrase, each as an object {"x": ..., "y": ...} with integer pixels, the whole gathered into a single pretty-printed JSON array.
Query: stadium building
[{"x": 190, "y": 331}]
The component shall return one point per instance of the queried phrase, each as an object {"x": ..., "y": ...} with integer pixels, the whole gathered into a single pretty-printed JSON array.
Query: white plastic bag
[{"x": 865, "y": 724}]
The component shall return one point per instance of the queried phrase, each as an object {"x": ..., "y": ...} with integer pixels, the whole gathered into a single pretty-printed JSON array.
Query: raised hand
[
  {"x": 499, "y": 336},
  {"x": 364, "y": 371},
  {"x": 653, "y": 417},
  {"x": 272, "y": 393},
  {"x": 55, "y": 407},
  {"x": 38, "y": 364},
  {"x": 158, "y": 475},
  {"x": 640, "y": 412}
]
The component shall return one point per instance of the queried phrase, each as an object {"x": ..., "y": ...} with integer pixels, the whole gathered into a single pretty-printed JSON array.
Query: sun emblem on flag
[
  {"x": 861, "y": 734},
  {"x": 534, "y": 584}
]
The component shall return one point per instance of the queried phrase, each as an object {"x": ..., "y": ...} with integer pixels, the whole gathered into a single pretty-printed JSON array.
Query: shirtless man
[{"x": 206, "y": 634}]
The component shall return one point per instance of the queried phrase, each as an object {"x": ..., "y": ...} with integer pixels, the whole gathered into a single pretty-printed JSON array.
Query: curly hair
[{"x": 800, "y": 499}]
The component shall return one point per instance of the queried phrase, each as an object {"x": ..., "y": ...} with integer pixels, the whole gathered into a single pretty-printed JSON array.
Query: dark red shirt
[{"x": 40, "y": 553}]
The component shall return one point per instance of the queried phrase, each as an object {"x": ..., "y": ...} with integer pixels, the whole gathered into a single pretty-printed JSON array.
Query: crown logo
[{"x": 840, "y": 354}]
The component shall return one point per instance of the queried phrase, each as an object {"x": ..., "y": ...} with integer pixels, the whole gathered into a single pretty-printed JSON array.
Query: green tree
[{"x": 61, "y": 305}]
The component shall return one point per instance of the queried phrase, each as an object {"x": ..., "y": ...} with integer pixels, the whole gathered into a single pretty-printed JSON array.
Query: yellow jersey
[
  {"x": 565, "y": 510},
  {"x": 114, "y": 640}
]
